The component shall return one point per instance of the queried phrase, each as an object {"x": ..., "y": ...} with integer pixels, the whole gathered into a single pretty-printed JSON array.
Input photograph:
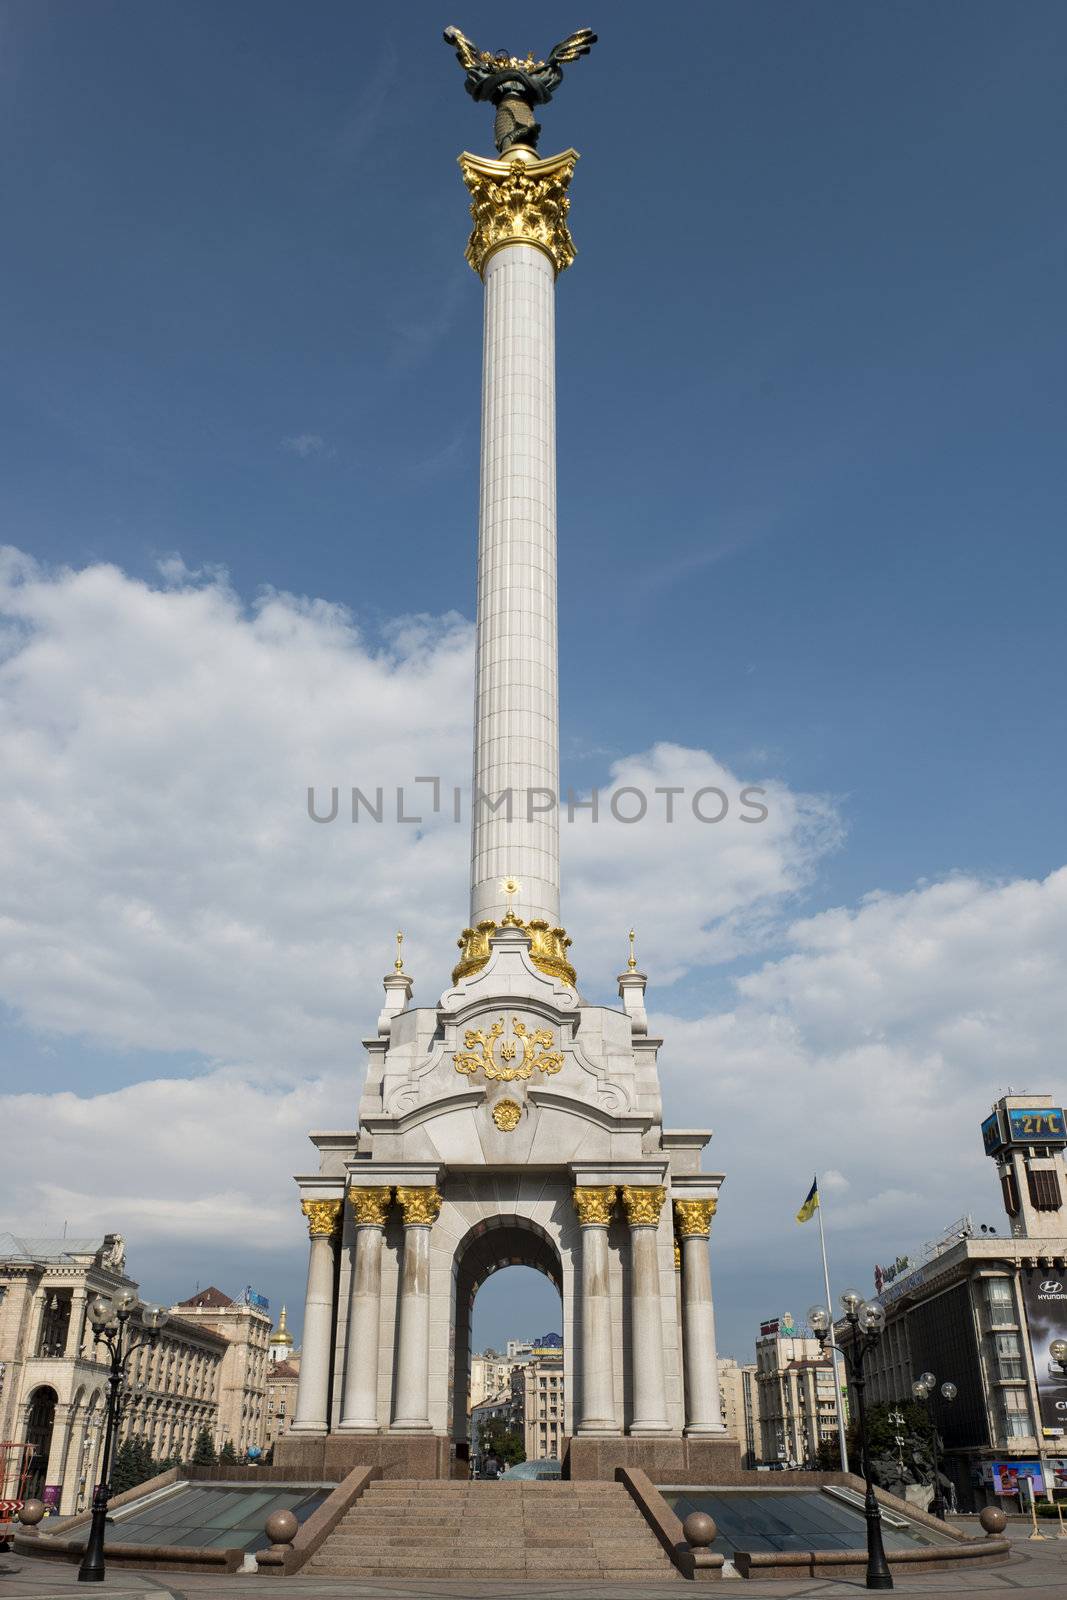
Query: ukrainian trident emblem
[{"x": 482, "y": 1052}]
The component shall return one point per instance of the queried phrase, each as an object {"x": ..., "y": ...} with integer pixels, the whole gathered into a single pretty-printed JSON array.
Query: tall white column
[
  {"x": 313, "y": 1390},
  {"x": 359, "y": 1402},
  {"x": 643, "y": 1207},
  {"x": 596, "y": 1398},
  {"x": 420, "y": 1208},
  {"x": 516, "y": 711},
  {"x": 703, "y": 1402},
  {"x": 519, "y": 244}
]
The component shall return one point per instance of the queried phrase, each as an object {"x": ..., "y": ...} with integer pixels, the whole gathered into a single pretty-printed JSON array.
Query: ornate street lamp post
[
  {"x": 867, "y": 1323},
  {"x": 922, "y": 1389},
  {"x": 111, "y": 1319}
]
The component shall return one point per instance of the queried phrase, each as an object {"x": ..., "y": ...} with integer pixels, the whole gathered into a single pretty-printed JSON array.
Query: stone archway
[
  {"x": 488, "y": 1247},
  {"x": 40, "y": 1418}
]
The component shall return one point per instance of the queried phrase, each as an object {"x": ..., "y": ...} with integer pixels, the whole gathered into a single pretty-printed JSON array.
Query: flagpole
[{"x": 834, "y": 1351}]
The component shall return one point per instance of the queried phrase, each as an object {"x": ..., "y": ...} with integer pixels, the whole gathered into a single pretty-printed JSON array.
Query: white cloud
[
  {"x": 305, "y": 444},
  {"x": 871, "y": 1052},
  {"x": 164, "y": 888}
]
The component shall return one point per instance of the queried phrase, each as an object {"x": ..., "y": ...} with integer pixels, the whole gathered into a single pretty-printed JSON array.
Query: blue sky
[{"x": 811, "y": 411}]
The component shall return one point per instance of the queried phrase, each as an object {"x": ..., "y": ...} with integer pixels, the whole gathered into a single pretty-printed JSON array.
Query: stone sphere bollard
[
  {"x": 699, "y": 1530},
  {"x": 993, "y": 1520},
  {"x": 31, "y": 1514},
  {"x": 281, "y": 1528}
]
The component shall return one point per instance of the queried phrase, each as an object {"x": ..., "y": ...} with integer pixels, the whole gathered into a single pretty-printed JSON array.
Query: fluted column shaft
[
  {"x": 359, "y": 1400},
  {"x": 643, "y": 1206},
  {"x": 516, "y": 715},
  {"x": 313, "y": 1390},
  {"x": 596, "y": 1398},
  {"x": 703, "y": 1402},
  {"x": 420, "y": 1208}
]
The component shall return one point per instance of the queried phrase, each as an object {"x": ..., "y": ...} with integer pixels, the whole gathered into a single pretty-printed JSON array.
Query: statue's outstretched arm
[{"x": 466, "y": 50}]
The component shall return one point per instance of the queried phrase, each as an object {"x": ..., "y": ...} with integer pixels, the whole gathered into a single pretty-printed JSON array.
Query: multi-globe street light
[
  {"x": 922, "y": 1389},
  {"x": 866, "y": 1322},
  {"x": 111, "y": 1322}
]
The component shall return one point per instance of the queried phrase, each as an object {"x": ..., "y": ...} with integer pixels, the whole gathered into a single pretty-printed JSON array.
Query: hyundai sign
[{"x": 1045, "y": 1297}]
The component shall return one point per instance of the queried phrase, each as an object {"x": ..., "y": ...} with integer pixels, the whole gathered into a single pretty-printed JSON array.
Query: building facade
[
  {"x": 739, "y": 1395},
  {"x": 797, "y": 1397},
  {"x": 537, "y": 1389},
  {"x": 246, "y": 1329},
  {"x": 490, "y": 1375},
  {"x": 282, "y": 1380},
  {"x": 53, "y": 1387},
  {"x": 982, "y": 1310}
]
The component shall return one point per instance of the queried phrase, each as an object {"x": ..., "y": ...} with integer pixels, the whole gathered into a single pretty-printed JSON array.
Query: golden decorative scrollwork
[
  {"x": 677, "y": 1255},
  {"x": 481, "y": 1052},
  {"x": 548, "y": 948},
  {"x": 594, "y": 1206},
  {"x": 421, "y": 1207},
  {"x": 692, "y": 1218},
  {"x": 519, "y": 201},
  {"x": 323, "y": 1216},
  {"x": 370, "y": 1206},
  {"x": 506, "y": 1114},
  {"x": 643, "y": 1205}
]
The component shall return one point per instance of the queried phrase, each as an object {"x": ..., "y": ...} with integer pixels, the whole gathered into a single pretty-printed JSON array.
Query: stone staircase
[{"x": 402, "y": 1528}]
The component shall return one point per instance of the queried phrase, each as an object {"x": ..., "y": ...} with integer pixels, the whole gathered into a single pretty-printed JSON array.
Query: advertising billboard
[
  {"x": 1045, "y": 1299},
  {"x": 1006, "y": 1475}
]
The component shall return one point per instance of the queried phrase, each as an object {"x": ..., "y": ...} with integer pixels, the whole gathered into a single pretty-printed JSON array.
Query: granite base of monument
[
  {"x": 675, "y": 1461},
  {"x": 332, "y": 1456}
]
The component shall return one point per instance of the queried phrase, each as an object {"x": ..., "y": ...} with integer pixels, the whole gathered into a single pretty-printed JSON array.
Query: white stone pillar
[
  {"x": 643, "y": 1207},
  {"x": 57, "y": 1449},
  {"x": 516, "y": 692},
  {"x": 420, "y": 1208},
  {"x": 519, "y": 244},
  {"x": 313, "y": 1390},
  {"x": 359, "y": 1401},
  {"x": 703, "y": 1403},
  {"x": 596, "y": 1399},
  {"x": 76, "y": 1325}
]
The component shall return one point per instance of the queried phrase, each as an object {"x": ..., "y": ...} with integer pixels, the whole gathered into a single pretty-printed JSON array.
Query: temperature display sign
[{"x": 1036, "y": 1125}]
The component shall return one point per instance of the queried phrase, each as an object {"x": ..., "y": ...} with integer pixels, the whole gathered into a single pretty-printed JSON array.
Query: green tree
[
  {"x": 204, "y": 1449},
  {"x": 133, "y": 1465},
  {"x": 228, "y": 1455},
  {"x": 496, "y": 1438}
]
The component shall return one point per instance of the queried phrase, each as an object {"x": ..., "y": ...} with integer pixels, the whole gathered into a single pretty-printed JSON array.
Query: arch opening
[{"x": 490, "y": 1247}]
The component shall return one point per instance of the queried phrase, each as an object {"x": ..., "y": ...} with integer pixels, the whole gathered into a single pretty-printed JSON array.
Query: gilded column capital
[
  {"x": 323, "y": 1216},
  {"x": 370, "y": 1207},
  {"x": 519, "y": 201},
  {"x": 421, "y": 1207},
  {"x": 594, "y": 1206},
  {"x": 643, "y": 1205},
  {"x": 692, "y": 1218}
]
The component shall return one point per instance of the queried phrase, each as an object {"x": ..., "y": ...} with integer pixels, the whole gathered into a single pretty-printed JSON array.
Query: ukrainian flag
[{"x": 811, "y": 1204}]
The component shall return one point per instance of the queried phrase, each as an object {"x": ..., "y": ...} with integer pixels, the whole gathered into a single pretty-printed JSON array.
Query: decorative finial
[
  {"x": 632, "y": 963},
  {"x": 398, "y": 964},
  {"x": 510, "y": 887}
]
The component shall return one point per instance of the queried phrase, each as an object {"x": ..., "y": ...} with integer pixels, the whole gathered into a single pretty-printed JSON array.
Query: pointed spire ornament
[
  {"x": 632, "y": 963},
  {"x": 398, "y": 964}
]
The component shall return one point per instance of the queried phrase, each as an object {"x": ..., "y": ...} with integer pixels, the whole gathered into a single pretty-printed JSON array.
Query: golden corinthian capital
[
  {"x": 421, "y": 1207},
  {"x": 370, "y": 1207},
  {"x": 323, "y": 1216},
  {"x": 594, "y": 1206},
  {"x": 643, "y": 1205},
  {"x": 692, "y": 1218}
]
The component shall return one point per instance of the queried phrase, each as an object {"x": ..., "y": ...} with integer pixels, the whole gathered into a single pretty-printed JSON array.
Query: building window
[
  {"x": 1001, "y": 1302},
  {"x": 1017, "y": 1421},
  {"x": 1009, "y": 1356},
  {"x": 1044, "y": 1186}
]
